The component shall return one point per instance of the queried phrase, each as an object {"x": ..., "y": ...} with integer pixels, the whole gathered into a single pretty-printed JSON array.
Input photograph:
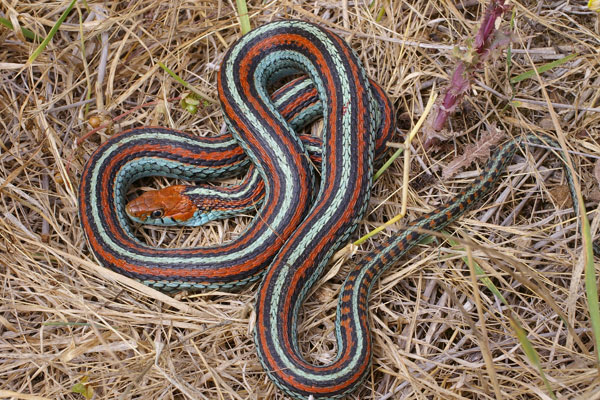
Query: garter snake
[{"x": 292, "y": 235}]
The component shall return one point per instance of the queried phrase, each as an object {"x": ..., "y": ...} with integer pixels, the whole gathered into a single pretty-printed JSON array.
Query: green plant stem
[{"x": 243, "y": 15}]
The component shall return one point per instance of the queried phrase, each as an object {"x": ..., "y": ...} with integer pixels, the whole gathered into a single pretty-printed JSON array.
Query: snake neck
[{"x": 218, "y": 202}]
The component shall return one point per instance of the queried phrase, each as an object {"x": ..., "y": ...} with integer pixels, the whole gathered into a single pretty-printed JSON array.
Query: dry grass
[{"x": 64, "y": 319}]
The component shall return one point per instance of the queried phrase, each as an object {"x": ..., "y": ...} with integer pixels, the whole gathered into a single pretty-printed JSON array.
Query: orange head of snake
[{"x": 168, "y": 206}]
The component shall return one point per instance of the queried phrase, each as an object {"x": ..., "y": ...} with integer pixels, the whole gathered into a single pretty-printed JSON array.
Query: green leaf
[
  {"x": 516, "y": 103},
  {"x": 83, "y": 388}
]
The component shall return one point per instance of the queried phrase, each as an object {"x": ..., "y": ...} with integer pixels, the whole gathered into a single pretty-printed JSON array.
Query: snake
[{"x": 295, "y": 232}]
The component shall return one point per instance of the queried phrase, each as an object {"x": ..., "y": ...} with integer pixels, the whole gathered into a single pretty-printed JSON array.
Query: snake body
[{"x": 293, "y": 235}]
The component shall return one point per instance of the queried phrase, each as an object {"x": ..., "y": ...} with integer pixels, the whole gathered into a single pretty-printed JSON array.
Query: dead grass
[{"x": 65, "y": 320}]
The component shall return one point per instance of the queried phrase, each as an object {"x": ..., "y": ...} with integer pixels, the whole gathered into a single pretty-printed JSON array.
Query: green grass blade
[
  {"x": 26, "y": 32},
  {"x": 530, "y": 352},
  {"x": 175, "y": 76},
  {"x": 591, "y": 289},
  {"x": 479, "y": 272},
  {"x": 546, "y": 67},
  {"x": 509, "y": 49},
  {"x": 186, "y": 84},
  {"x": 53, "y": 31},
  {"x": 380, "y": 14},
  {"x": 387, "y": 164}
]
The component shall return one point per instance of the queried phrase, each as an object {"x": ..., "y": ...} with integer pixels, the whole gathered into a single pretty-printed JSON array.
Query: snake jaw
[{"x": 167, "y": 206}]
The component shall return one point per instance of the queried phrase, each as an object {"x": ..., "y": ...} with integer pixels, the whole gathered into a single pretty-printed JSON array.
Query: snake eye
[{"x": 157, "y": 214}]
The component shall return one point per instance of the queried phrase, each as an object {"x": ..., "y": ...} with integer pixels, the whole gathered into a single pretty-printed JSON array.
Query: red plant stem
[
  {"x": 461, "y": 77},
  {"x": 453, "y": 95}
]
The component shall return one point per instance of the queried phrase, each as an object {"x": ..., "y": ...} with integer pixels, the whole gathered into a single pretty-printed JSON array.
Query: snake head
[{"x": 168, "y": 206}]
